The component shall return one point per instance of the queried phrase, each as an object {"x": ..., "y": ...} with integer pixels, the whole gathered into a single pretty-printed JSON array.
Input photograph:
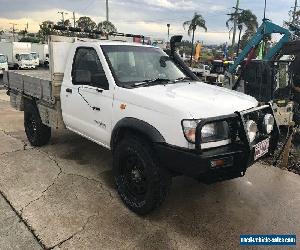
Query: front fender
[{"x": 136, "y": 125}]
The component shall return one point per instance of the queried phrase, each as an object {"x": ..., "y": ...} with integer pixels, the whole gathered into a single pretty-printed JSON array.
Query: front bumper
[
  {"x": 197, "y": 164},
  {"x": 235, "y": 157},
  {"x": 27, "y": 67}
]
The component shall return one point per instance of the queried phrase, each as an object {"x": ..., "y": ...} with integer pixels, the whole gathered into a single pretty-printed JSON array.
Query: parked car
[{"x": 148, "y": 109}]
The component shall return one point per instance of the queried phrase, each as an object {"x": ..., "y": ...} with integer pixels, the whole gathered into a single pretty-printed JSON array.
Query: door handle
[
  {"x": 96, "y": 108},
  {"x": 69, "y": 90}
]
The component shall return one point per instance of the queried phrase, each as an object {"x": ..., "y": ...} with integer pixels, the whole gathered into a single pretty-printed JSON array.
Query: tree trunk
[{"x": 193, "y": 37}]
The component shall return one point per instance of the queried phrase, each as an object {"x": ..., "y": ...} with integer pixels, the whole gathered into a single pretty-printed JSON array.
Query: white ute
[{"x": 149, "y": 109}]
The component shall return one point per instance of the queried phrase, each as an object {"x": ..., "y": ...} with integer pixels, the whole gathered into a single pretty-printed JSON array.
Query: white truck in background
[
  {"x": 149, "y": 109},
  {"x": 18, "y": 54},
  {"x": 36, "y": 59},
  {"x": 201, "y": 71},
  {"x": 41, "y": 51},
  {"x": 3, "y": 64}
]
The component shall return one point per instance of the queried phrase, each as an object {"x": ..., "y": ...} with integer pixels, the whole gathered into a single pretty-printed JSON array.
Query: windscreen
[
  {"x": 35, "y": 55},
  {"x": 217, "y": 68},
  {"x": 3, "y": 59},
  {"x": 132, "y": 64},
  {"x": 26, "y": 57}
]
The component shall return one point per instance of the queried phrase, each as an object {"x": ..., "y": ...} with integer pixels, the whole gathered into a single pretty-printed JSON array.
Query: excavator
[
  {"x": 268, "y": 79},
  {"x": 272, "y": 78}
]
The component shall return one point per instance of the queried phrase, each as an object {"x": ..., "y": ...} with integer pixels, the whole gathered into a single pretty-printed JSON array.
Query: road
[{"x": 65, "y": 197}]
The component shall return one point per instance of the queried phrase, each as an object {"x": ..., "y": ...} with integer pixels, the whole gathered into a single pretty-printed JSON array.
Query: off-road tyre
[
  {"x": 37, "y": 133},
  {"x": 134, "y": 163}
]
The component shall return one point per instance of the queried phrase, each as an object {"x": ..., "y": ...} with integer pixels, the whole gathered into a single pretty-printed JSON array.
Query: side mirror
[
  {"x": 163, "y": 61},
  {"x": 82, "y": 77}
]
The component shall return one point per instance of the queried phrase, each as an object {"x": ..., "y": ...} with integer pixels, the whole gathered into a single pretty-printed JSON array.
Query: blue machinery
[{"x": 265, "y": 29}]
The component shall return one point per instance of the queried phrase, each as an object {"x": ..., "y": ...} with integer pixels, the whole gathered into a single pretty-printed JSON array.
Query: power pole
[
  {"x": 63, "y": 16},
  {"x": 13, "y": 29},
  {"x": 295, "y": 10},
  {"x": 74, "y": 19},
  {"x": 168, "y": 25},
  {"x": 107, "y": 13},
  {"x": 235, "y": 21}
]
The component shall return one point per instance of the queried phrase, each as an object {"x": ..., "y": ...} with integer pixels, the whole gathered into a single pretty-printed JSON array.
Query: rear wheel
[
  {"x": 37, "y": 133},
  {"x": 141, "y": 183}
]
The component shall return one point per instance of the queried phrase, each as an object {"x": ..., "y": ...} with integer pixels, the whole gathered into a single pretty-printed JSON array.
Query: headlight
[
  {"x": 189, "y": 129},
  {"x": 217, "y": 131},
  {"x": 251, "y": 127},
  {"x": 269, "y": 123}
]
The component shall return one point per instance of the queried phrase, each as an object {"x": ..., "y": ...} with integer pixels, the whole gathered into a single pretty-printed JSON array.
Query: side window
[{"x": 87, "y": 69}]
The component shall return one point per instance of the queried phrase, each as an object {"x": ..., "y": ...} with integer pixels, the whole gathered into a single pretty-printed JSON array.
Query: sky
[{"x": 146, "y": 17}]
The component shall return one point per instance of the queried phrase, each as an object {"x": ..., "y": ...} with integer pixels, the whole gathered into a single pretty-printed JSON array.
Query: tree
[
  {"x": 197, "y": 21},
  {"x": 294, "y": 20},
  {"x": 107, "y": 27},
  {"x": 247, "y": 21},
  {"x": 45, "y": 30},
  {"x": 86, "y": 23},
  {"x": 67, "y": 23},
  {"x": 23, "y": 33},
  {"x": 30, "y": 40}
]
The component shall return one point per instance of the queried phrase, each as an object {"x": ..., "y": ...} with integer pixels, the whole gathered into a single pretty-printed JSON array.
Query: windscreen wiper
[
  {"x": 152, "y": 82},
  {"x": 183, "y": 79}
]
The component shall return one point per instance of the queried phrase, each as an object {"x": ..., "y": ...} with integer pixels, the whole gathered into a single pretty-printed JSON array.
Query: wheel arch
[{"x": 136, "y": 126}]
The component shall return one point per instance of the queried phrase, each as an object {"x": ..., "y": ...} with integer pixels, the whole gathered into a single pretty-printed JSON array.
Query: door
[{"x": 87, "y": 97}]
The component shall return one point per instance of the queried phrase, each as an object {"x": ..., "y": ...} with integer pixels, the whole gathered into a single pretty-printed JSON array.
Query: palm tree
[
  {"x": 245, "y": 20},
  {"x": 197, "y": 21}
]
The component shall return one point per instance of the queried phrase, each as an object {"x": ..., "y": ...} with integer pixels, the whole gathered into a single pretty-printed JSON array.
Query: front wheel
[
  {"x": 37, "y": 133},
  {"x": 141, "y": 183}
]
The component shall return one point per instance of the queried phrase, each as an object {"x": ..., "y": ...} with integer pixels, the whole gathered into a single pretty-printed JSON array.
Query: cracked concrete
[
  {"x": 9, "y": 144},
  {"x": 25, "y": 176},
  {"x": 13, "y": 233},
  {"x": 64, "y": 193}
]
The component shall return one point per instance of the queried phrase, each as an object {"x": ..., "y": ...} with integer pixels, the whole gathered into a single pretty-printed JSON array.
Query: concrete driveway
[{"x": 65, "y": 197}]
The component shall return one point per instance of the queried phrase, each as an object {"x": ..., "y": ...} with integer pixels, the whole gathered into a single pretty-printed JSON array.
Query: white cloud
[{"x": 141, "y": 16}]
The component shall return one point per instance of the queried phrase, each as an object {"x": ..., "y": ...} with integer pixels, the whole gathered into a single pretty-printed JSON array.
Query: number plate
[{"x": 261, "y": 149}]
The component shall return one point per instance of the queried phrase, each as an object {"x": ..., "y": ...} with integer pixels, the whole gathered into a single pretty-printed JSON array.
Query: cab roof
[{"x": 114, "y": 43}]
